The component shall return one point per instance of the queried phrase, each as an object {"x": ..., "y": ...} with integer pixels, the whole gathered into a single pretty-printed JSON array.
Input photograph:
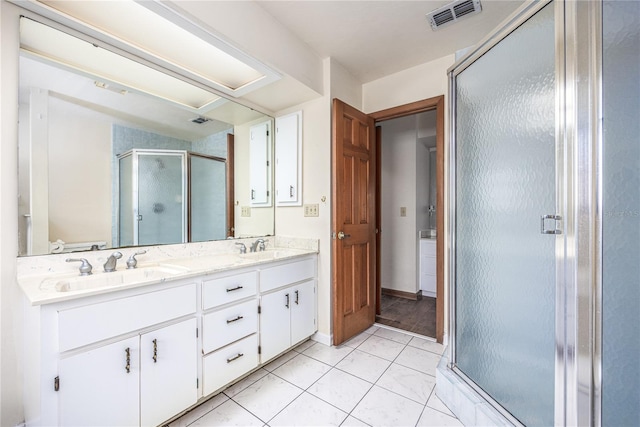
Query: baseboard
[
  {"x": 402, "y": 294},
  {"x": 322, "y": 338}
]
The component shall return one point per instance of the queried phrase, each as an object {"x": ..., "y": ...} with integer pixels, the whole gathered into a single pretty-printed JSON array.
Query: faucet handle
[
  {"x": 132, "y": 262},
  {"x": 243, "y": 248},
  {"x": 262, "y": 244},
  {"x": 85, "y": 267}
]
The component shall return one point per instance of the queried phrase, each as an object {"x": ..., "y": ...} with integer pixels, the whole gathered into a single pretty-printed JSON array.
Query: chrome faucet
[
  {"x": 258, "y": 245},
  {"x": 110, "y": 265},
  {"x": 243, "y": 248},
  {"x": 132, "y": 262},
  {"x": 85, "y": 267}
]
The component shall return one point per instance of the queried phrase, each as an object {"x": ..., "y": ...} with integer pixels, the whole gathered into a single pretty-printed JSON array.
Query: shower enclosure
[
  {"x": 170, "y": 196},
  {"x": 544, "y": 214}
]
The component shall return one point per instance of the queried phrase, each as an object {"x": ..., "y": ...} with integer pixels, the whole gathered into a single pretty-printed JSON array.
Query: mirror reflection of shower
[{"x": 170, "y": 196}]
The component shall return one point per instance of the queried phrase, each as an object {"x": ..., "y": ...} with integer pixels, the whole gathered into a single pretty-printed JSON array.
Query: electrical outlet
[
  {"x": 245, "y": 211},
  {"x": 311, "y": 210},
  {"x": 403, "y": 211}
]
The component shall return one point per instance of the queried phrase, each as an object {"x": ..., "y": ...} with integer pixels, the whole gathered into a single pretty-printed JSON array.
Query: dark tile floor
[{"x": 414, "y": 316}]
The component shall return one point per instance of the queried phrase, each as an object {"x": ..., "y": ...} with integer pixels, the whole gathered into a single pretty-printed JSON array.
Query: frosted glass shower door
[
  {"x": 207, "y": 198},
  {"x": 505, "y": 180},
  {"x": 161, "y": 198},
  {"x": 621, "y": 214}
]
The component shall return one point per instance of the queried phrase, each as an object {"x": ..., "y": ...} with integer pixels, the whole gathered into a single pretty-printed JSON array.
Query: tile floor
[{"x": 382, "y": 377}]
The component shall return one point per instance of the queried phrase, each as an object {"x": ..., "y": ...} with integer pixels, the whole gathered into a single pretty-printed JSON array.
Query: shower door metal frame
[{"x": 578, "y": 200}]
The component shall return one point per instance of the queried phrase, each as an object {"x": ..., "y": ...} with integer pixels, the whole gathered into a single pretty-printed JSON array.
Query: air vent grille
[
  {"x": 200, "y": 120},
  {"x": 452, "y": 12}
]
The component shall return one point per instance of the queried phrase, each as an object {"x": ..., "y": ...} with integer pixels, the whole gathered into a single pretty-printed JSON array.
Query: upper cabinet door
[
  {"x": 289, "y": 160},
  {"x": 260, "y": 164}
]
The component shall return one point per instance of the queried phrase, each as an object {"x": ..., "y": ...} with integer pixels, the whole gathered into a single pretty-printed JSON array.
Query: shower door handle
[{"x": 555, "y": 218}]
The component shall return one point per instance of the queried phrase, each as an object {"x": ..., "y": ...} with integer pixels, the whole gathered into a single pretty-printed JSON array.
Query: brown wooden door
[{"x": 354, "y": 222}]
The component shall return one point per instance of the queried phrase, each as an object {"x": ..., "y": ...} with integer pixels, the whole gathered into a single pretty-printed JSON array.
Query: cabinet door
[
  {"x": 303, "y": 311},
  {"x": 100, "y": 387},
  {"x": 168, "y": 365},
  {"x": 260, "y": 164},
  {"x": 289, "y": 160},
  {"x": 275, "y": 324}
]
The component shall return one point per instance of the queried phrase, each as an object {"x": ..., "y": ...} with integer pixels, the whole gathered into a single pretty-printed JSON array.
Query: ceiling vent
[
  {"x": 453, "y": 12},
  {"x": 200, "y": 120}
]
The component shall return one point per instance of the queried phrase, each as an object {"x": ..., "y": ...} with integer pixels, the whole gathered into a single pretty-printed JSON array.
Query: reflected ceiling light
[
  {"x": 156, "y": 32},
  {"x": 54, "y": 46}
]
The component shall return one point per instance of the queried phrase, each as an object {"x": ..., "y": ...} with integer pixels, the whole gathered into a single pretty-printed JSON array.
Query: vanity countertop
[{"x": 42, "y": 283}]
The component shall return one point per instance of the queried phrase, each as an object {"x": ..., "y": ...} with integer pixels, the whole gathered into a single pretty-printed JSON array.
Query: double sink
[{"x": 159, "y": 272}]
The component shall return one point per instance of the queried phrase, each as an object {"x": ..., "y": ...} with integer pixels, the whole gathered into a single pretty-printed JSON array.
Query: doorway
[
  {"x": 408, "y": 219},
  {"x": 355, "y": 302}
]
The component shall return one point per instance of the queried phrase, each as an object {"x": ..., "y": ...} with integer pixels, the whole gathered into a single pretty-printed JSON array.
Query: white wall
[
  {"x": 11, "y": 352},
  {"x": 79, "y": 174},
  {"x": 398, "y": 239}
]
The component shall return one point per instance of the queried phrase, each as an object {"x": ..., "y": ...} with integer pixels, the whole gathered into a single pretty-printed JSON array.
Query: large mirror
[{"x": 106, "y": 164}]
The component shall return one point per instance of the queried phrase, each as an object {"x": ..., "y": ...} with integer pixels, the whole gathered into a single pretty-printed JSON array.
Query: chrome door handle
[
  {"x": 342, "y": 236},
  {"x": 543, "y": 230}
]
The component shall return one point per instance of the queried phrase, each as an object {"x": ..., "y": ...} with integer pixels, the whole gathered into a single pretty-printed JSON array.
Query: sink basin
[
  {"x": 269, "y": 254},
  {"x": 142, "y": 274},
  {"x": 206, "y": 262}
]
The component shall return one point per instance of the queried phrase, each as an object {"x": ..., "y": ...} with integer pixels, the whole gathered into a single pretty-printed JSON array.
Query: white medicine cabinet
[
  {"x": 260, "y": 164},
  {"x": 289, "y": 160}
]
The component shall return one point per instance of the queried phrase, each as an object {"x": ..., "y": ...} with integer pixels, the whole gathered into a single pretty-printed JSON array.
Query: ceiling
[{"x": 373, "y": 39}]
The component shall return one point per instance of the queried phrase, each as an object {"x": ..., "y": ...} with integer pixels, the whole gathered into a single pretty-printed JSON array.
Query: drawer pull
[
  {"x": 234, "y": 289},
  {"x": 238, "y": 356},
  {"x": 287, "y": 303},
  {"x": 235, "y": 320},
  {"x": 297, "y": 297},
  {"x": 155, "y": 351},
  {"x": 128, "y": 365}
]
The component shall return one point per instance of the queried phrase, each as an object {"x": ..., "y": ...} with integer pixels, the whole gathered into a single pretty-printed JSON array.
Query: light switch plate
[
  {"x": 245, "y": 211},
  {"x": 312, "y": 210}
]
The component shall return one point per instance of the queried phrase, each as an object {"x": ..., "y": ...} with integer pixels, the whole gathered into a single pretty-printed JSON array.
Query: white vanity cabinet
[
  {"x": 287, "y": 306},
  {"x": 125, "y": 358},
  {"x": 142, "y": 380},
  {"x": 96, "y": 386},
  {"x": 142, "y": 355},
  {"x": 229, "y": 328}
]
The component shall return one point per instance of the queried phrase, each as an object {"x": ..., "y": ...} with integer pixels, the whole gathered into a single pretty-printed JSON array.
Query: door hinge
[
  {"x": 267, "y": 193},
  {"x": 196, "y": 332},
  {"x": 197, "y": 382},
  {"x": 267, "y": 132},
  {"x": 56, "y": 383},
  {"x": 259, "y": 349},
  {"x": 259, "y": 309}
]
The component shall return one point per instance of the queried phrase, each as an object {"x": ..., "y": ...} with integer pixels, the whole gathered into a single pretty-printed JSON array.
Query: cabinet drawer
[
  {"x": 223, "y": 290},
  {"x": 225, "y": 365},
  {"x": 96, "y": 322},
  {"x": 229, "y": 324},
  {"x": 427, "y": 247},
  {"x": 281, "y": 275}
]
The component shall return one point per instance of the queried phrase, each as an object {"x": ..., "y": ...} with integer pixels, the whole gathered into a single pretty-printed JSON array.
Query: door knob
[{"x": 342, "y": 236}]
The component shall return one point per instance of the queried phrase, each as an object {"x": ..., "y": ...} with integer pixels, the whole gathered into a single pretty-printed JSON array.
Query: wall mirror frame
[{"x": 75, "y": 123}]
